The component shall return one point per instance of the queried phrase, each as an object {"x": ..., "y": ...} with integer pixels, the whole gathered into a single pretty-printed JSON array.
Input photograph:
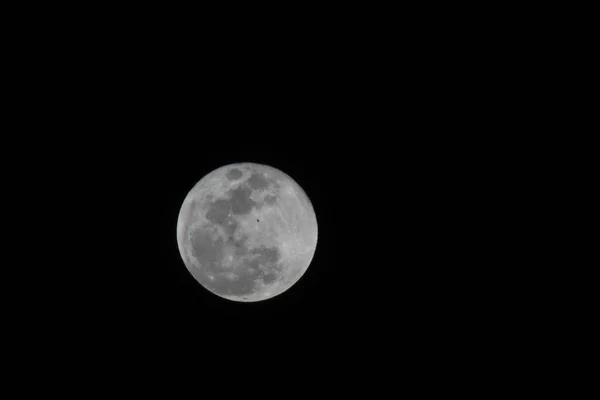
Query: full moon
[{"x": 247, "y": 232}]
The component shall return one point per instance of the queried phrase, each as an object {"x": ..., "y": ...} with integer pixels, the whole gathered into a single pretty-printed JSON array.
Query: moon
[{"x": 247, "y": 232}]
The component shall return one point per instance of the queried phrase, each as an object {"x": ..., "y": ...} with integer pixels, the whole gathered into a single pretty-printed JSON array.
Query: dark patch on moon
[
  {"x": 237, "y": 201},
  {"x": 234, "y": 174},
  {"x": 241, "y": 203},
  {"x": 258, "y": 181},
  {"x": 270, "y": 199},
  {"x": 206, "y": 248},
  {"x": 266, "y": 254},
  {"x": 269, "y": 278},
  {"x": 218, "y": 211}
]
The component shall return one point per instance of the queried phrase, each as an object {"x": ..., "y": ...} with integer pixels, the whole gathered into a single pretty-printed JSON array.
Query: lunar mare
[{"x": 247, "y": 232}]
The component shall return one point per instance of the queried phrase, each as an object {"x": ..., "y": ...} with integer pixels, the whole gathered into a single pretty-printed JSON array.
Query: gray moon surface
[{"x": 247, "y": 232}]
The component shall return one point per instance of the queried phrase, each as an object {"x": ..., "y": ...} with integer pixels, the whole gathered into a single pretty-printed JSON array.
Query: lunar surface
[{"x": 247, "y": 232}]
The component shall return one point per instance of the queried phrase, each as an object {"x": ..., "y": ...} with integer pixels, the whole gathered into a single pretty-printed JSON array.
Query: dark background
[{"x": 396, "y": 142}]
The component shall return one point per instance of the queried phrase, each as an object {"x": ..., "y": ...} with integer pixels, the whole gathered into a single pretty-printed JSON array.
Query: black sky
[{"x": 393, "y": 163}]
